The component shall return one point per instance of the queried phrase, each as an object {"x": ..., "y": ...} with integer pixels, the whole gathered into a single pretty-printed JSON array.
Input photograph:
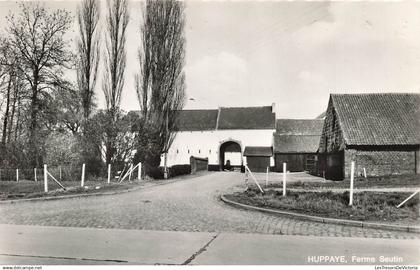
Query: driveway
[{"x": 188, "y": 205}]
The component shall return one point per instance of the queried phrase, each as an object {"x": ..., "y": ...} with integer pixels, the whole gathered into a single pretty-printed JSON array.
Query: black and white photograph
[{"x": 241, "y": 134}]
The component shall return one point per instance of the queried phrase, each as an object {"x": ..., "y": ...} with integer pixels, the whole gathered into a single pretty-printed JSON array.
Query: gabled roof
[
  {"x": 196, "y": 120},
  {"x": 258, "y": 151},
  {"x": 378, "y": 119},
  {"x": 246, "y": 118},
  {"x": 296, "y": 143},
  {"x": 299, "y": 126}
]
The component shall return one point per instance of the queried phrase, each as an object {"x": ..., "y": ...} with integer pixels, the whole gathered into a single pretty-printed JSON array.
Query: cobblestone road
[{"x": 188, "y": 205}]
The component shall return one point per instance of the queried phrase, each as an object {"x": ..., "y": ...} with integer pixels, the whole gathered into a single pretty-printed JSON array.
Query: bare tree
[
  {"x": 160, "y": 85},
  {"x": 37, "y": 34},
  {"x": 115, "y": 61},
  {"x": 88, "y": 52}
]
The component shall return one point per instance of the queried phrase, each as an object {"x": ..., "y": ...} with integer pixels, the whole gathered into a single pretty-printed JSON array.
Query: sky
[{"x": 293, "y": 54}]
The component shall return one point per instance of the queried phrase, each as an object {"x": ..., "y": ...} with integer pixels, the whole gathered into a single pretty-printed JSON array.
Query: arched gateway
[{"x": 230, "y": 151}]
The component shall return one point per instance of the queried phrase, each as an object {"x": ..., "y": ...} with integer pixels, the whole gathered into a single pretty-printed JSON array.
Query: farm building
[
  {"x": 296, "y": 142},
  {"x": 380, "y": 132},
  {"x": 239, "y": 135}
]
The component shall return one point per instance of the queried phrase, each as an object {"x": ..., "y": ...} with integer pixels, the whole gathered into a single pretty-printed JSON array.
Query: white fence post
[
  {"x": 60, "y": 173},
  {"x": 266, "y": 178},
  {"x": 109, "y": 173},
  {"x": 364, "y": 172},
  {"x": 17, "y": 175},
  {"x": 284, "y": 178},
  {"x": 83, "y": 175},
  {"x": 131, "y": 171},
  {"x": 351, "y": 183},
  {"x": 139, "y": 171},
  {"x": 35, "y": 175},
  {"x": 45, "y": 178}
]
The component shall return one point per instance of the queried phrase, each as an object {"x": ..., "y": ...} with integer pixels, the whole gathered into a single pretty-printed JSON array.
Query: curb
[{"x": 324, "y": 220}]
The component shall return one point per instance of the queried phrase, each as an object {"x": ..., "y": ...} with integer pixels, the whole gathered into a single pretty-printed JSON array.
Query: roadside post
[
  {"x": 364, "y": 172},
  {"x": 35, "y": 175},
  {"x": 351, "y": 183},
  {"x": 83, "y": 175},
  {"x": 266, "y": 178},
  {"x": 45, "y": 178},
  {"x": 109, "y": 173},
  {"x": 139, "y": 171},
  {"x": 131, "y": 171},
  {"x": 17, "y": 175},
  {"x": 284, "y": 178}
]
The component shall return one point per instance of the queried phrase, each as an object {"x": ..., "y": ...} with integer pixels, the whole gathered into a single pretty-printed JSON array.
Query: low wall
[{"x": 198, "y": 164}]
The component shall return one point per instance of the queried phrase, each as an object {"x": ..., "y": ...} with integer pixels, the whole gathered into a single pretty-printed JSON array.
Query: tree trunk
[
  {"x": 6, "y": 113},
  {"x": 33, "y": 126},
  {"x": 12, "y": 116}
]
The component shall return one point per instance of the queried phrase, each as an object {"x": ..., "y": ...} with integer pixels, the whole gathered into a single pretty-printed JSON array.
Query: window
[
  {"x": 199, "y": 151},
  {"x": 210, "y": 151},
  {"x": 188, "y": 151},
  {"x": 177, "y": 151}
]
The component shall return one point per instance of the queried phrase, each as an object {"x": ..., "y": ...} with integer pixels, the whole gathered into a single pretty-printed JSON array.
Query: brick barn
[
  {"x": 296, "y": 142},
  {"x": 380, "y": 132}
]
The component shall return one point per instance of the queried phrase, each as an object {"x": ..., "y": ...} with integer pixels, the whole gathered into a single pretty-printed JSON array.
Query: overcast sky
[{"x": 292, "y": 53}]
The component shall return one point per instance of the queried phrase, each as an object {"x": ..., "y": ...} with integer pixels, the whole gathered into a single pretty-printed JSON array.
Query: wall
[
  {"x": 332, "y": 135},
  {"x": 206, "y": 144},
  {"x": 380, "y": 163}
]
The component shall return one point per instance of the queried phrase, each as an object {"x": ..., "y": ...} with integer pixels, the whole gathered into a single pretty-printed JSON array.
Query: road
[
  {"x": 190, "y": 205},
  {"x": 45, "y": 245}
]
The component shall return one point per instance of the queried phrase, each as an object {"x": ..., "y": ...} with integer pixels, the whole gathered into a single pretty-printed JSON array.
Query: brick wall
[
  {"x": 332, "y": 135},
  {"x": 380, "y": 163}
]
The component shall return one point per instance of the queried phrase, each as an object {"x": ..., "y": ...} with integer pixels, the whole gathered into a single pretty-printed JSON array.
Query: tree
[
  {"x": 88, "y": 53},
  {"x": 37, "y": 34},
  {"x": 115, "y": 61},
  {"x": 160, "y": 84}
]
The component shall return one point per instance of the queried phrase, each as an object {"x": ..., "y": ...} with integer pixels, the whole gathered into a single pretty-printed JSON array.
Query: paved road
[
  {"x": 43, "y": 245},
  {"x": 188, "y": 205}
]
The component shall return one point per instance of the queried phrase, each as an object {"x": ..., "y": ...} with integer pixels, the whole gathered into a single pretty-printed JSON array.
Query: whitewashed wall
[{"x": 206, "y": 144}]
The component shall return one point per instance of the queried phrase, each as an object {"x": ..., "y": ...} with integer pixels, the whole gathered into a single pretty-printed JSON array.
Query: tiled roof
[
  {"x": 296, "y": 143},
  {"x": 246, "y": 118},
  {"x": 197, "y": 120},
  {"x": 379, "y": 119},
  {"x": 258, "y": 151},
  {"x": 299, "y": 126}
]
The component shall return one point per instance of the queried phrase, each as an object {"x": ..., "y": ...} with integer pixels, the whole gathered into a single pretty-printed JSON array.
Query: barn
[
  {"x": 380, "y": 132},
  {"x": 296, "y": 142},
  {"x": 225, "y": 134}
]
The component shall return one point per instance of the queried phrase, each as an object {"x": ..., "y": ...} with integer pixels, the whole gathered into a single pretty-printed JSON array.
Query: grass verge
[
  {"x": 393, "y": 181},
  {"x": 367, "y": 206},
  {"x": 10, "y": 190}
]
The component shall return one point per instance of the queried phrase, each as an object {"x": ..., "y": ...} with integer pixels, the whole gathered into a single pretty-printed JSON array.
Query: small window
[
  {"x": 188, "y": 151},
  {"x": 210, "y": 151},
  {"x": 199, "y": 151},
  {"x": 177, "y": 151}
]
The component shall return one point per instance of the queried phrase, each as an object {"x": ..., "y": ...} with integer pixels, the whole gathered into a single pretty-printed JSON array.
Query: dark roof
[
  {"x": 379, "y": 119},
  {"x": 246, "y": 118},
  {"x": 196, "y": 120},
  {"x": 258, "y": 151},
  {"x": 299, "y": 126},
  {"x": 296, "y": 143}
]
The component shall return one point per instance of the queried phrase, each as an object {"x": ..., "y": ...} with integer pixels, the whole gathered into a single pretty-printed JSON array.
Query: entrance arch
[{"x": 230, "y": 150}]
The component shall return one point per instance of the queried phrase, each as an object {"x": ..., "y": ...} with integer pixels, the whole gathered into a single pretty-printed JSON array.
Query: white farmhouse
[{"x": 240, "y": 135}]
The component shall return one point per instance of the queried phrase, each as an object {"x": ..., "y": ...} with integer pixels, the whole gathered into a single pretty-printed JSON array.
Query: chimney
[{"x": 273, "y": 107}]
